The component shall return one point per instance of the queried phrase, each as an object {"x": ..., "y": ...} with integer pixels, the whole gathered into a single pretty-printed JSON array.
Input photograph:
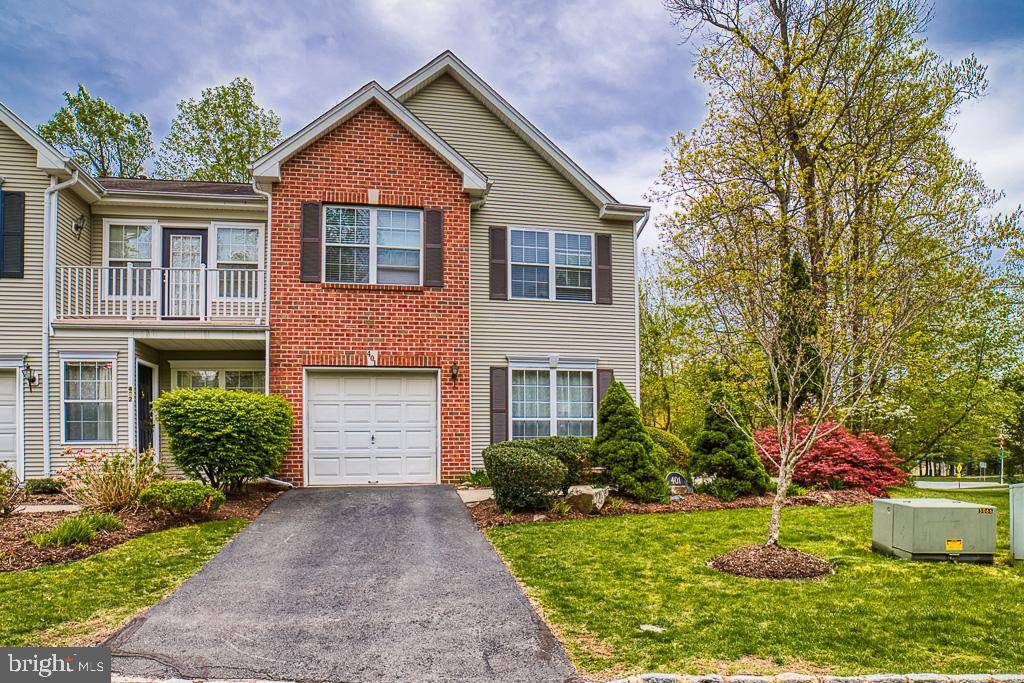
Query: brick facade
[{"x": 318, "y": 325}]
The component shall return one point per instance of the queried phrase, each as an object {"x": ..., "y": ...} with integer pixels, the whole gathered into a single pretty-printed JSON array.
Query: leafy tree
[
  {"x": 826, "y": 134},
  {"x": 725, "y": 453},
  {"x": 219, "y": 136},
  {"x": 626, "y": 451},
  {"x": 842, "y": 459},
  {"x": 98, "y": 137}
]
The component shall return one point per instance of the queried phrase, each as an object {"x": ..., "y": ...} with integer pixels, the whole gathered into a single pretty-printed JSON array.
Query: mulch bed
[
  {"x": 487, "y": 514},
  {"x": 771, "y": 562},
  {"x": 17, "y": 552}
]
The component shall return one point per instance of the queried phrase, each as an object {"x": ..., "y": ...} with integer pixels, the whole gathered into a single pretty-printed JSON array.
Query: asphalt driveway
[{"x": 349, "y": 584}]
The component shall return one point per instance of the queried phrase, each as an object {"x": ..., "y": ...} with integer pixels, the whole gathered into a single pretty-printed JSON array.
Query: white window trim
[
  {"x": 260, "y": 271},
  {"x": 551, "y": 263},
  {"x": 553, "y": 364},
  {"x": 155, "y": 249},
  {"x": 89, "y": 357},
  {"x": 217, "y": 366},
  {"x": 372, "y": 246}
]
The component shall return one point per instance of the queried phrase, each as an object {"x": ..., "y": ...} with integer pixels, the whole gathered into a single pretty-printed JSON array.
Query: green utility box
[{"x": 934, "y": 529}]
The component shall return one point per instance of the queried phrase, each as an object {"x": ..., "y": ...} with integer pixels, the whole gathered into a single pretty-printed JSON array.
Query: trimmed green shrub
[
  {"x": 183, "y": 498},
  {"x": 523, "y": 478},
  {"x": 225, "y": 437},
  {"x": 573, "y": 451},
  {"x": 11, "y": 491},
  {"x": 725, "y": 456},
  {"x": 75, "y": 530},
  {"x": 625, "y": 449},
  {"x": 677, "y": 452},
  {"x": 44, "y": 486},
  {"x": 108, "y": 480}
]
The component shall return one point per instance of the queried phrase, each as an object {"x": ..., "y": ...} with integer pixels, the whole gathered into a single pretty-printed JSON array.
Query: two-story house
[{"x": 419, "y": 271}]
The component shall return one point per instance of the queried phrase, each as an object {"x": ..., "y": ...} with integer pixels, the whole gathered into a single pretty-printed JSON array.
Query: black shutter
[
  {"x": 605, "y": 377},
  {"x": 12, "y": 235},
  {"x": 603, "y": 261},
  {"x": 499, "y": 404},
  {"x": 309, "y": 259},
  {"x": 499, "y": 264},
  {"x": 433, "y": 248}
]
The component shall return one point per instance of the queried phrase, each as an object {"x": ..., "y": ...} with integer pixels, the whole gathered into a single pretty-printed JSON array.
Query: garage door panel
[
  {"x": 420, "y": 413},
  {"x": 356, "y": 413},
  {"x": 8, "y": 414},
  {"x": 358, "y": 466},
  {"x": 326, "y": 467},
  {"x": 420, "y": 439},
  {"x": 372, "y": 428},
  {"x": 420, "y": 388},
  {"x": 325, "y": 440},
  {"x": 388, "y": 413}
]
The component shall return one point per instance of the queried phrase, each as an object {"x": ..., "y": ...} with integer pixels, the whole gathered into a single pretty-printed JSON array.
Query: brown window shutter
[
  {"x": 499, "y": 263},
  {"x": 309, "y": 259},
  {"x": 605, "y": 377},
  {"x": 433, "y": 248},
  {"x": 12, "y": 235},
  {"x": 499, "y": 404},
  {"x": 603, "y": 261}
]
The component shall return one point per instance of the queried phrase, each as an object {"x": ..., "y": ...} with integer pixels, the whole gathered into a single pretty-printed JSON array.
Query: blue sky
[{"x": 608, "y": 81}]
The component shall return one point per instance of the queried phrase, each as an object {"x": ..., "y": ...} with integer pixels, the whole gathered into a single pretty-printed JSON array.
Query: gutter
[
  {"x": 50, "y": 206},
  {"x": 266, "y": 286}
]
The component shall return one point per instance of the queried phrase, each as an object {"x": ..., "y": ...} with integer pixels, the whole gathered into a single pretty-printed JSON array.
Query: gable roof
[
  {"x": 448, "y": 63},
  {"x": 268, "y": 167}
]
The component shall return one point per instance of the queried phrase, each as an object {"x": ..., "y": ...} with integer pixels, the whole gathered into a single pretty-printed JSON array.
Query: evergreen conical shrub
[
  {"x": 625, "y": 449},
  {"x": 725, "y": 456}
]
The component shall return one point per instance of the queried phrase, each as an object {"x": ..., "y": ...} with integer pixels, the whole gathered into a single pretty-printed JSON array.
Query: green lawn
[
  {"x": 83, "y": 601},
  {"x": 599, "y": 580}
]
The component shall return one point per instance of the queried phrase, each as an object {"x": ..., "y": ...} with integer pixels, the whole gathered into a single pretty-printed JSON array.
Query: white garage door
[
  {"x": 9, "y": 417},
  {"x": 371, "y": 428}
]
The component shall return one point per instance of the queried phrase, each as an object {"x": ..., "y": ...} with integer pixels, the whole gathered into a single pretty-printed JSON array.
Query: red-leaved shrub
[{"x": 863, "y": 461}]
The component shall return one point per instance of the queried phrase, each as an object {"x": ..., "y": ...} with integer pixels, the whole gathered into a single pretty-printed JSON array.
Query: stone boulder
[{"x": 587, "y": 499}]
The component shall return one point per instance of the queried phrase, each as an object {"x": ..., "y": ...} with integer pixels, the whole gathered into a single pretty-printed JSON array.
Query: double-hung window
[
  {"x": 237, "y": 377},
  {"x": 550, "y": 264},
  {"x": 372, "y": 246},
  {"x": 548, "y": 401},
  {"x": 88, "y": 400},
  {"x": 129, "y": 245},
  {"x": 238, "y": 253}
]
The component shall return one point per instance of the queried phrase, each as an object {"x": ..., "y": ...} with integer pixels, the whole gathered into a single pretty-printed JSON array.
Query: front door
[
  {"x": 144, "y": 398},
  {"x": 184, "y": 258}
]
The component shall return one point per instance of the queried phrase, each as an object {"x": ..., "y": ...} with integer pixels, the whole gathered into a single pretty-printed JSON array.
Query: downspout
[
  {"x": 640, "y": 224},
  {"x": 50, "y": 206},
  {"x": 266, "y": 289}
]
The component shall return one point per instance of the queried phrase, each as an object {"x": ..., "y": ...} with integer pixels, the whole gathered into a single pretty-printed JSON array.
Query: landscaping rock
[{"x": 587, "y": 499}]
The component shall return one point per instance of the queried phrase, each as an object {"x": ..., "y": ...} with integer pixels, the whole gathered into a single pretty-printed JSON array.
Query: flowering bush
[
  {"x": 841, "y": 460},
  {"x": 108, "y": 481}
]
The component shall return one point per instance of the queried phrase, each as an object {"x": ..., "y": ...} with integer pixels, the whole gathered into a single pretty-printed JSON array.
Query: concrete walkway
[{"x": 349, "y": 584}]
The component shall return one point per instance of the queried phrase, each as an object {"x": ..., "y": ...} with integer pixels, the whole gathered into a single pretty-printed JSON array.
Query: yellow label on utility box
[{"x": 954, "y": 544}]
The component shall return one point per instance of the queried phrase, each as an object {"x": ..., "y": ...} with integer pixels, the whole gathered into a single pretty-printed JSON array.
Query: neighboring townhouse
[{"x": 441, "y": 277}]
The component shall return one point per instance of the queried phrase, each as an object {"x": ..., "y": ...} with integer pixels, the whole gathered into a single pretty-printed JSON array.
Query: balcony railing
[{"x": 148, "y": 294}]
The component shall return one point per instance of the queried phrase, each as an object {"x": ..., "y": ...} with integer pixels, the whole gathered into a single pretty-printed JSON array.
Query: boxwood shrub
[
  {"x": 46, "y": 485},
  {"x": 225, "y": 437},
  {"x": 677, "y": 452},
  {"x": 189, "y": 498},
  {"x": 573, "y": 451},
  {"x": 522, "y": 477}
]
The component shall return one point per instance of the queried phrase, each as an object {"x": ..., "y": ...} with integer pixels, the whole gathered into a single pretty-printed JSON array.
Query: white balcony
[{"x": 143, "y": 295}]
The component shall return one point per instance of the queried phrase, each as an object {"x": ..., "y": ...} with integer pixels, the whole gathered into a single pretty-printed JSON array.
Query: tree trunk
[{"x": 785, "y": 477}]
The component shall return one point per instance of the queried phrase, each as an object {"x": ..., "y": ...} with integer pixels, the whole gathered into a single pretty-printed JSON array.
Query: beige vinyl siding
[
  {"x": 68, "y": 345},
  {"x": 21, "y": 300},
  {"x": 528, "y": 191},
  {"x": 72, "y": 250}
]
